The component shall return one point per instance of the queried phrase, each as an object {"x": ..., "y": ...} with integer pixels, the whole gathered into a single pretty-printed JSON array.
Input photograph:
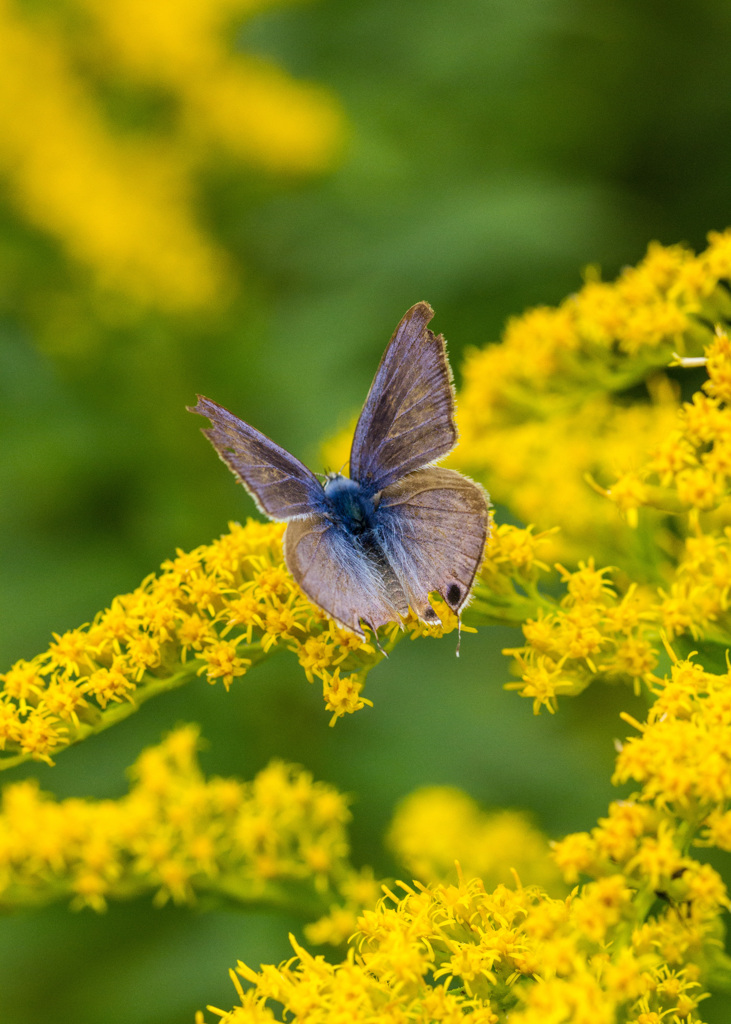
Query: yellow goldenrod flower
[
  {"x": 177, "y": 834},
  {"x": 537, "y": 413},
  {"x": 682, "y": 758},
  {"x": 213, "y": 612},
  {"x": 593, "y": 632},
  {"x": 449, "y": 952}
]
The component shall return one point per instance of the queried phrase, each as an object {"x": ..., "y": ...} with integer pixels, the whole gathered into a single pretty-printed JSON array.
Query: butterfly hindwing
[
  {"x": 408, "y": 418},
  {"x": 432, "y": 527},
  {"x": 280, "y": 484},
  {"x": 347, "y": 580}
]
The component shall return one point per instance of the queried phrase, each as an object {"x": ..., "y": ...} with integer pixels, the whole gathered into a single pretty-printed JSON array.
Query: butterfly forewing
[
  {"x": 347, "y": 581},
  {"x": 408, "y": 418},
  {"x": 280, "y": 484},
  {"x": 433, "y": 525}
]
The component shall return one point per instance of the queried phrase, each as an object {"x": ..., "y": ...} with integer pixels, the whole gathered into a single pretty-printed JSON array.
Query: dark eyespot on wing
[{"x": 453, "y": 595}]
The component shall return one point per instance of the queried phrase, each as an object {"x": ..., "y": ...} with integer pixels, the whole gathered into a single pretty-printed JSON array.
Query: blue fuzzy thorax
[{"x": 350, "y": 504}]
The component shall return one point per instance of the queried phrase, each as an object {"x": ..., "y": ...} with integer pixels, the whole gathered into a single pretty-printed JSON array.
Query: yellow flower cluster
[
  {"x": 640, "y": 937},
  {"x": 214, "y": 611},
  {"x": 228, "y": 101},
  {"x": 446, "y": 953},
  {"x": 543, "y": 410},
  {"x": 682, "y": 758},
  {"x": 637, "y": 942},
  {"x": 438, "y": 825},
  {"x": 120, "y": 202},
  {"x": 279, "y": 839},
  {"x": 594, "y": 632},
  {"x": 507, "y": 584},
  {"x": 696, "y": 600},
  {"x": 690, "y": 467},
  {"x": 682, "y": 761}
]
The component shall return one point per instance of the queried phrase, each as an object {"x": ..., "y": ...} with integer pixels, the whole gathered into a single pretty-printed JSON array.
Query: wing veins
[
  {"x": 434, "y": 508},
  {"x": 413, "y": 382},
  {"x": 263, "y": 465},
  {"x": 404, "y": 462},
  {"x": 403, "y": 412}
]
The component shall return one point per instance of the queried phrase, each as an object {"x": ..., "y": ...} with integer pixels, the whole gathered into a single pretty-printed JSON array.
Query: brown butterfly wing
[
  {"x": 282, "y": 487},
  {"x": 350, "y": 582},
  {"x": 408, "y": 417},
  {"x": 432, "y": 527}
]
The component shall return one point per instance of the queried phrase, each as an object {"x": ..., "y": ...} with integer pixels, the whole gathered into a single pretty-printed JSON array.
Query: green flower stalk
[{"x": 214, "y": 613}]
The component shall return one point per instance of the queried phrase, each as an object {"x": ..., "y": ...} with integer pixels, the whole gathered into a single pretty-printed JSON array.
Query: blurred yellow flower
[
  {"x": 121, "y": 202},
  {"x": 438, "y": 825},
  {"x": 177, "y": 834}
]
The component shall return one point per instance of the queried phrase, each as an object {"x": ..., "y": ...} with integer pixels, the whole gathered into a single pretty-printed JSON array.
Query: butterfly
[{"x": 366, "y": 547}]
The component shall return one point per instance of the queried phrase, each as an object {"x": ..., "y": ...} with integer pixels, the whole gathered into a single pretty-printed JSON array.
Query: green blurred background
[{"x": 474, "y": 154}]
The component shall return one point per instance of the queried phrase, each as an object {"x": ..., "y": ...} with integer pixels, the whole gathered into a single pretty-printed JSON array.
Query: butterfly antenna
[{"x": 459, "y": 634}]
